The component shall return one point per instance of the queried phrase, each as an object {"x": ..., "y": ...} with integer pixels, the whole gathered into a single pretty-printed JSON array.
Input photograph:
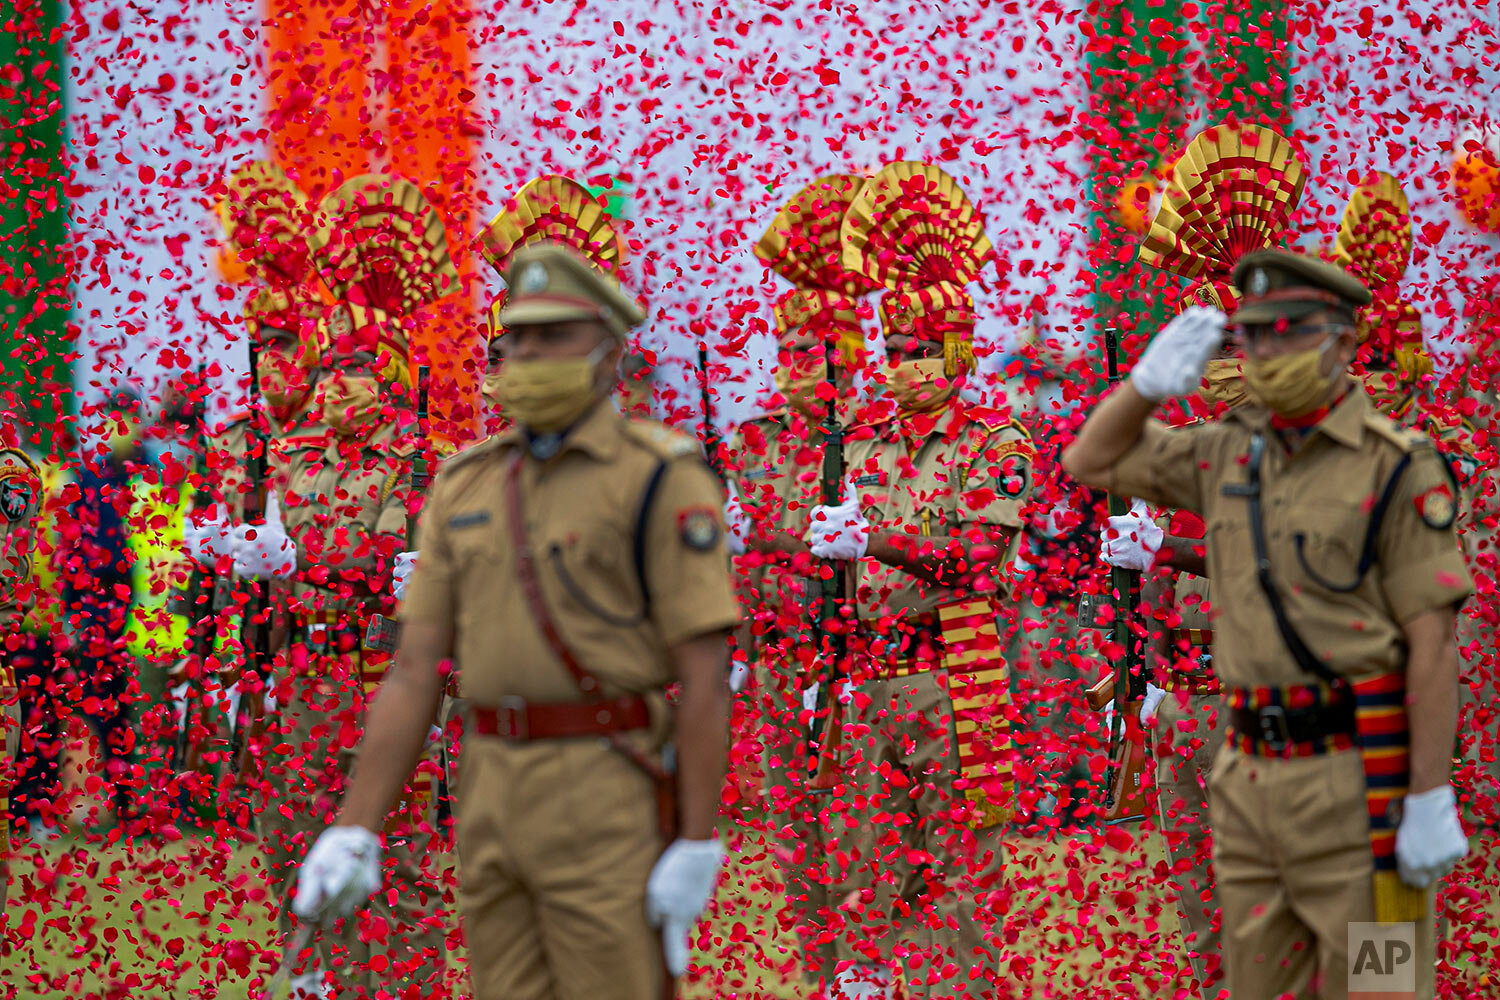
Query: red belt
[{"x": 522, "y": 721}]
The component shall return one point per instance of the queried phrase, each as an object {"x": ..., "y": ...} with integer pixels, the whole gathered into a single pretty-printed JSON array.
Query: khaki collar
[
  {"x": 597, "y": 434},
  {"x": 1345, "y": 424}
]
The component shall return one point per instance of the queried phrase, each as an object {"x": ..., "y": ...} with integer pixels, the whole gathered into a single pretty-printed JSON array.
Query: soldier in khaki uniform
[
  {"x": 934, "y": 505},
  {"x": 572, "y": 567},
  {"x": 776, "y": 471},
  {"x": 20, "y": 499},
  {"x": 335, "y": 538},
  {"x": 1330, "y": 801}
]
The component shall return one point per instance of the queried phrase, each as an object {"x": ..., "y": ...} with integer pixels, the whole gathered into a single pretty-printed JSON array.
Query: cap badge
[
  {"x": 533, "y": 279},
  {"x": 1259, "y": 282}
]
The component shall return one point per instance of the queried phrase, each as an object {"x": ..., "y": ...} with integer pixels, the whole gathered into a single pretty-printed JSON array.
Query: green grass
[{"x": 1087, "y": 917}]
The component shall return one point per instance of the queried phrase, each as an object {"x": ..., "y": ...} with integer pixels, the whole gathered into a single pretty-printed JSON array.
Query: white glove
[
  {"x": 739, "y": 673},
  {"x": 1172, "y": 364},
  {"x": 863, "y": 981},
  {"x": 841, "y": 531},
  {"x": 679, "y": 888},
  {"x": 1130, "y": 541},
  {"x": 1150, "y": 704},
  {"x": 262, "y": 550},
  {"x": 737, "y": 520},
  {"x": 340, "y": 872},
  {"x": 207, "y": 542},
  {"x": 1430, "y": 839},
  {"x": 405, "y": 563}
]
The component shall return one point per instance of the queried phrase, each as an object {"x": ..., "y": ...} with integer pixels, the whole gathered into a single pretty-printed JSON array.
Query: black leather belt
[{"x": 1278, "y": 728}]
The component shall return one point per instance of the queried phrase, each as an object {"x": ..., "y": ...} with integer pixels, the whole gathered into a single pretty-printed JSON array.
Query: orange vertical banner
[
  {"x": 431, "y": 139},
  {"x": 317, "y": 90}
]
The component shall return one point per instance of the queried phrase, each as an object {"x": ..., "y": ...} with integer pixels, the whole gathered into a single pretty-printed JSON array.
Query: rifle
[
  {"x": 711, "y": 443},
  {"x": 381, "y": 633},
  {"x": 255, "y": 628},
  {"x": 195, "y": 602},
  {"x": 1127, "y": 751},
  {"x": 834, "y": 644}
]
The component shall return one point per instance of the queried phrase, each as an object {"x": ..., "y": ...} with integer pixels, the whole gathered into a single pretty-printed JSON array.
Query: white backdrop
[{"x": 713, "y": 119}]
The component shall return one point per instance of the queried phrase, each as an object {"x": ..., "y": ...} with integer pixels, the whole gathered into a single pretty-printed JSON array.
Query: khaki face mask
[
  {"x": 919, "y": 385},
  {"x": 799, "y": 386},
  {"x": 1224, "y": 382},
  {"x": 548, "y": 395},
  {"x": 282, "y": 381},
  {"x": 1292, "y": 385},
  {"x": 490, "y": 390},
  {"x": 351, "y": 403}
]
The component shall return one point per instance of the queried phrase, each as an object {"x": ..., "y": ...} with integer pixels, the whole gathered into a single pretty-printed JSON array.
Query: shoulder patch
[
  {"x": 661, "y": 440},
  {"x": 1437, "y": 507}
]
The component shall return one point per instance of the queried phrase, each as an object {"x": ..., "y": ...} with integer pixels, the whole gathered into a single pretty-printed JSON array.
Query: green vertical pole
[{"x": 34, "y": 292}]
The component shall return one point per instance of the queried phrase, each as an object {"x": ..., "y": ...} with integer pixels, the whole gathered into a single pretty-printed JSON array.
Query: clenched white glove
[
  {"x": 1131, "y": 541},
  {"x": 264, "y": 550},
  {"x": 1430, "y": 839},
  {"x": 739, "y": 675},
  {"x": 208, "y": 541},
  {"x": 679, "y": 888},
  {"x": 737, "y": 521},
  {"x": 840, "y": 531},
  {"x": 340, "y": 872},
  {"x": 405, "y": 563},
  {"x": 1150, "y": 704},
  {"x": 1172, "y": 364}
]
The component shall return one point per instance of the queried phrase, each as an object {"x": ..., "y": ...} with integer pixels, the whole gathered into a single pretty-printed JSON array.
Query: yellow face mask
[
  {"x": 282, "y": 381},
  {"x": 799, "y": 386},
  {"x": 919, "y": 385},
  {"x": 351, "y": 403},
  {"x": 550, "y": 394},
  {"x": 1224, "y": 382},
  {"x": 1292, "y": 385}
]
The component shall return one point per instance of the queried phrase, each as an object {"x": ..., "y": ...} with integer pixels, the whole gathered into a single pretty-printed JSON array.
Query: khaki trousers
[
  {"x": 1049, "y": 668},
  {"x": 1190, "y": 731},
  {"x": 924, "y": 877},
  {"x": 556, "y": 839},
  {"x": 393, "y": 943},
  {"x": 1292, "y": 855}
]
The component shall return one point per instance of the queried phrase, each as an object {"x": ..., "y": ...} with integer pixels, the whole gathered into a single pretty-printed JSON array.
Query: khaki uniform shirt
[
  {"x": 1323, "y": 493},
  {"x": 582, "y": 509},
  {"x": 349, "y": 498},
  {"x": 934, "y": 478},
  {"x": 779, "y": 478}
]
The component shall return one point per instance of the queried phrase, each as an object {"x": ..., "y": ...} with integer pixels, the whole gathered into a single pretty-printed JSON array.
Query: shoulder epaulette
[
  {"x": 1403, "y": 438},
  {"x": 660, "y": 439},
  {"x": 471, "y": 452},
  {"x": 405, "y": 448}
]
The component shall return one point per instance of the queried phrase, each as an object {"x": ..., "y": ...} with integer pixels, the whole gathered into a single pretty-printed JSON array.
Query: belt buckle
[
  {"x": 1273, "y": 728},
  {"x": 510, "y": 717}
]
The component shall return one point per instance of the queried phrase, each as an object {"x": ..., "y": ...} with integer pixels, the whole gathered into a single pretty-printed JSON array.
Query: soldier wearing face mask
[
  {"x": 776, "y": 461},
  {"x": 572, "y": 567},
  {"x": 1331, "y": 530},
  {"x": 927, "y": 527},
  {"x": 334, "y": 536}
]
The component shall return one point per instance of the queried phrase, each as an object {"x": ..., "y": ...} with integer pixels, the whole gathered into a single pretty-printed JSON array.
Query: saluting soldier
[
  {"x": 572, "y": 567},
  {"x": 934, "y": 506},
  {"x": 776, "y": 462},
  {"x": 336, "y": 538},
  {"x": 20, "y": 499},
  {"x": 1330, "y": 529},
  {"x": 1185, "y": 712}
]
